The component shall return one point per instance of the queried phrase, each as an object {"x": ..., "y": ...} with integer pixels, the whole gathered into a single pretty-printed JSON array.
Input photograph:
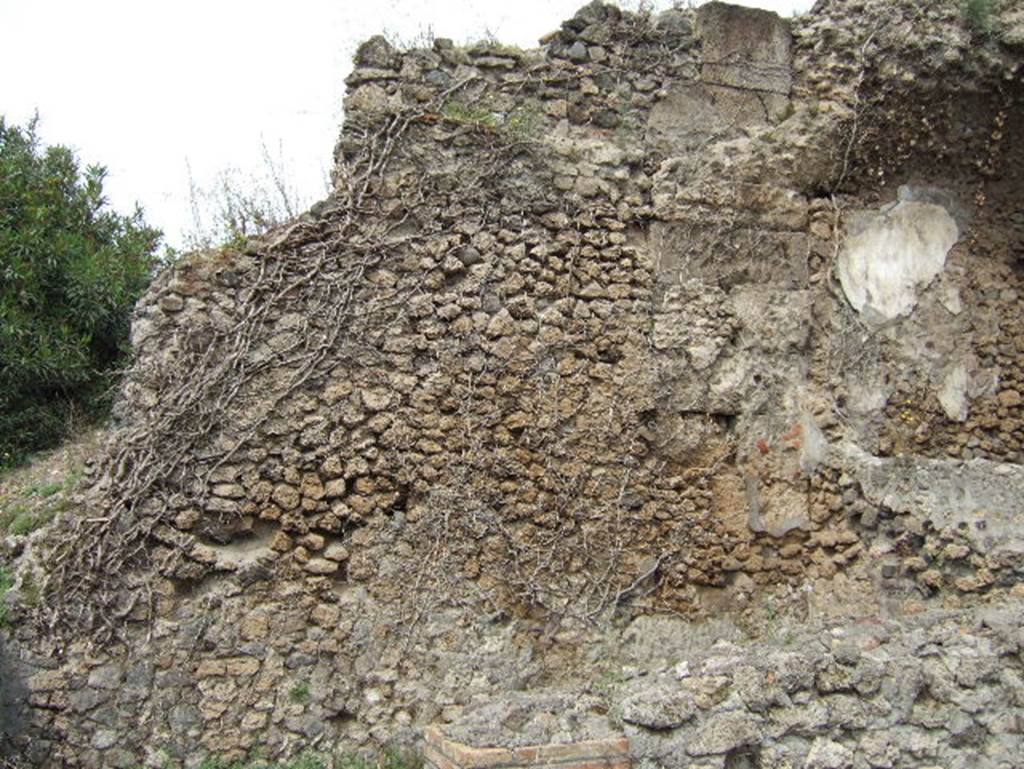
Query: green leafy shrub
[{"x": 70, "y": 272}]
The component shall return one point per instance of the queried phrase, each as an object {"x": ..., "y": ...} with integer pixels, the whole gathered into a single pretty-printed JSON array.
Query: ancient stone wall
[
  {"x": 942, "y": 688},
  {"x": 684, "y": 315}
]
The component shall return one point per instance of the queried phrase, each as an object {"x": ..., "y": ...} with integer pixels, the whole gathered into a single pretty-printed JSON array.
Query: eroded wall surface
[{"x": 709, "y": 315}]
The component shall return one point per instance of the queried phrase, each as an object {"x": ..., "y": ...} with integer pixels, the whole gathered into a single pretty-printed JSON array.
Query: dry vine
[{"x": 100, "y": 567}]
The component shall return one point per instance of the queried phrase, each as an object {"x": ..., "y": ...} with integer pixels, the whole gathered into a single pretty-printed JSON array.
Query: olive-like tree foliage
[{"x": 70, "y": 272}]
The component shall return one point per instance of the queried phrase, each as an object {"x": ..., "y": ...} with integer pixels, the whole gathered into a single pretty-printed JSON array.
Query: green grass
[
  {"x": 24, "y": 523},
  {"x": 19, "y": 521},
  {"x": 519, "y": 123},
  {"x": 305, "y": 761},
  {"x": 496, "y": 48},
  {"x": 470, "y": 114},
  {"x": 44, "y": 489},
  {"x": 299, "y": 692},
  {"x": 389, "y": 758},
  {"x": 19, "y": 518},
  {"x": 8, "y": 515},
  {"x": 522, "y": 121}
]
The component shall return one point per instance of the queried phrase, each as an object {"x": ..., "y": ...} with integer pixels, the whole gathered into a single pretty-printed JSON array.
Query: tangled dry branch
[{"x": 99, "y": 571}]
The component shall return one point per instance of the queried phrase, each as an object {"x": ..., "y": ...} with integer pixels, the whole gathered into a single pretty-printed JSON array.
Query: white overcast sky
[{"x": 150, "y": 89}]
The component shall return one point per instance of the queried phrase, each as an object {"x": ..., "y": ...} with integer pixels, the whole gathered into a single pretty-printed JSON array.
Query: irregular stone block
[
  {"x": 172, "y": 303},
  {"x": 228, "y": 491},
  {"x": 286, "y": 496},
  {"x": 728, "y": 255},
  {"x": 693, "y": 321},
  {"x": 745, "y": 48},
  {"x": 685, "y": 118},
  {"x": 658, "y": 707},
  {"x": 336, "y": 552},
  {"x": 724, "y": 732},
  {"x": 981, "y": 500},
  {"x": 108, "y": 676},
  {"x": 320, "y": 566},
  {"x": 826, "y": 754}
]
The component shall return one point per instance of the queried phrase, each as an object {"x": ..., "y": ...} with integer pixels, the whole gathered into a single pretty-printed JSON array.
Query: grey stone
[
  {"x": 847, "y": 711},
  {"x": 85, "y": 700},
  {"x": 724, "y": 732},
  {"x": 685, "y": 119},
  {"x": 309, "y": 726},
  {"x": 594, "y": 12},
  {"x": 578, "y": 52},
  {"x": 228, "y": 490},
  {"x": 104, "y": 738},
  {"x": 362, "y": 75},
  {"x": 469, "y": 256},
  {"x": 981, "y": 500},
  {"x": 107, "y": 676},
  {"x": 439, "y": 78},
  {"x": 299, "y": 660},
  {"x": 221, "y": 505},
  {"x": 803, "y": 720},
  {"x": 676, "y": 22},
  {"x": 758, "y": 689},
  {"x": 792, "y": 671},
  {"x": 534, "y": 717},
  {"x": 494, "y": 62},
  {"x": 369, "y": 98},
  {"x": 659, "y": 706},
  {"x": 1013, "y": 34},
  {"x": 376, "y": 52},
  {"x": 826, "y": 754},
  {"x": 253, "y": 649}
]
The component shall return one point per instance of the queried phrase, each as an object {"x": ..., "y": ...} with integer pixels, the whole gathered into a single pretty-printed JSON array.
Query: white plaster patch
[{"x": 882, "y": 267}]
